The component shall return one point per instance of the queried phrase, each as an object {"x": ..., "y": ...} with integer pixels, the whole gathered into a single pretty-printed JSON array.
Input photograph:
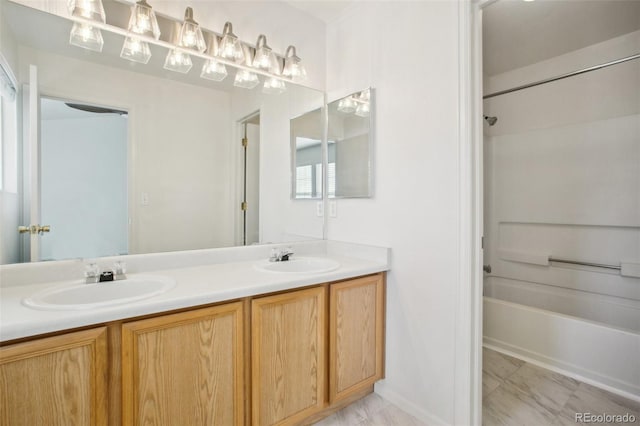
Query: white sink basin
[
  {"x": 301, "y": 265},
  {"x": 90, "y": 296}
]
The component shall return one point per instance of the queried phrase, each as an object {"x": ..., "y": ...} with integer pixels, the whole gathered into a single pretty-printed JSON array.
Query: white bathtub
[{"x": 593, "y": 338}]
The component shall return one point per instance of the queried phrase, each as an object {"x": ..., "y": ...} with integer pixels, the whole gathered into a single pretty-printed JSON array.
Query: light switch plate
[
  {"x": 320, "y": 209},
  {"x": 333, "y": 209}
]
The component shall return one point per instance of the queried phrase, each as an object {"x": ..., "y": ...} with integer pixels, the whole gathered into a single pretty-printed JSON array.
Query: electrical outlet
[
  {"x": 320, "y": 209},
  {"x": 333, "y": 209},
  {"x": 144, "y": 199}
]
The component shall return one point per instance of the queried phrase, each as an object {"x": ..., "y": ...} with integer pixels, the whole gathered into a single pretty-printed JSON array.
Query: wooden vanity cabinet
[
  {"x": 185, "y": 368},
  {"x": 60, "y": 380},
  {"x": 356, "y": 335},
  {"x": 303, "y": 354},
  {"x": 288, "y": 356}
]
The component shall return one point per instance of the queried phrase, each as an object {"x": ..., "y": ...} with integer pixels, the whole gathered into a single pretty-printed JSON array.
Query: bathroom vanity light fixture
[
  {"x": 358, "y": 103},
  {"x": 177, "y": 60},
  {"x": 190, "y": 34},
  {"x": 347, "y": 105},
  {"x": 230, "y": 47},
  {"x": 292, "y": 65},
  {"x": 218, "y": 51},
  {"x": 212, "y": 68}
]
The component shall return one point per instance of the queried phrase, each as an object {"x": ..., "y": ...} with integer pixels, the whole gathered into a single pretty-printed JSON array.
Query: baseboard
[
  {"x": 401, "y": 402},
  {"x": 623, "y": 389}
]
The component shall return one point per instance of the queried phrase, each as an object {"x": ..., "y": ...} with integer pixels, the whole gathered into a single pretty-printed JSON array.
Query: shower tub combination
[{"x": 591, "y": 337}]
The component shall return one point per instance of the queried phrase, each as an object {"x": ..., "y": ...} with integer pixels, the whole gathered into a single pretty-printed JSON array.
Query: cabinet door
[
  {"x": 184, "y": 369},
  {"x": 288, "y": 356},
  {"x": 57, "y": 380},
  {"x": 356, "y": 330}
]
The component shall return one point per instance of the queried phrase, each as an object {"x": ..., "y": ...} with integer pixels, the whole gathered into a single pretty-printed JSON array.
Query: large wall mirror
[
  {"x": 133, "y": 158},
  {"x": 350, "y": 146}
]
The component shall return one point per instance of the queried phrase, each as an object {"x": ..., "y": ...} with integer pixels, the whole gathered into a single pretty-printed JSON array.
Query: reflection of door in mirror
[
  {"x": 250, "y": 207},
  {"x": 83, "y": 180},
  {"x": 306, "y": 151}
]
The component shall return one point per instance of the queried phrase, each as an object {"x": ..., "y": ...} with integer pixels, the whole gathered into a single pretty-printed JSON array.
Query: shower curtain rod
[{"x": 560, "y": 77}]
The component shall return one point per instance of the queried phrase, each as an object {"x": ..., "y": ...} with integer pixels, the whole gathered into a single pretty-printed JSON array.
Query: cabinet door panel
[
  {"x": 57, "y": 380},
  {"x": 184, "y": 368},
  {"x": 288, "y": 356},
  {"x": 356, "y": 335}
]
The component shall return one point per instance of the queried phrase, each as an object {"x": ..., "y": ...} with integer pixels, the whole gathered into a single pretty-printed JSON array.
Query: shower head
[{"x": 491, "y": 120}]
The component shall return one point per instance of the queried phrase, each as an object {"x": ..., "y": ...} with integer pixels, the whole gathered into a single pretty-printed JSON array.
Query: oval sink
[
  {"x": 90, "y": 296},
  {"x": 301, "y": 265}
]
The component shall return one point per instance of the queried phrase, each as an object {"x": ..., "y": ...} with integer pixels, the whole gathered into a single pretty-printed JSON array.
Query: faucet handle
[
  {"x": 91, "y": 273},
  {"x": 119, "y": 267}
]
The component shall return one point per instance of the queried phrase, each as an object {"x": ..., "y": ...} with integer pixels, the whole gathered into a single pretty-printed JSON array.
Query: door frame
[
  {"x": 239, "y": 175},
  {"x": 468, "y": 314}
]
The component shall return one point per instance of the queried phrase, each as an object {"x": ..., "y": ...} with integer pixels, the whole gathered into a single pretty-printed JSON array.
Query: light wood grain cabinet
[
  {"x": 58, "y": 380},
  {"x": 185, "y": 368},
  {"x": 288, "y": 356},
  {"x": 356, "y": 333}
]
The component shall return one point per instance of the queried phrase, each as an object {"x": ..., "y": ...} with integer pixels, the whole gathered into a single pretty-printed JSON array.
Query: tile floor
[
  {"x": 371, "y": 410},
  {"x": 518, "y": 393},
  {"x": 514, "y": 393}
]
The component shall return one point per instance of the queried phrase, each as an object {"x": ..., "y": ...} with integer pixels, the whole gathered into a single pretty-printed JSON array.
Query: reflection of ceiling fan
[{"x": 95, "y": 109}]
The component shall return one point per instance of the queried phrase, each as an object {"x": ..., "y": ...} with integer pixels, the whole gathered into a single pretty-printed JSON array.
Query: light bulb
[
  {"x": 85, "y": 36},
  {"x": 190, "y": 34},
  {"x": 246, "y": 79},
  {"x": 178, "y": 61},
  {"x": 230, "y": 47},
  {"x": 273, "y": 86},
  {"x": 143, "y": 20},
  {"x": 347, "y": 105},
  {"x": 213, "y": 70},
  {"x": 135, "y": 50}
]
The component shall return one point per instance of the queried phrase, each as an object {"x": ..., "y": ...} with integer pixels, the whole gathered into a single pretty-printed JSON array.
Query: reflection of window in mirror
[{"x": 306, "y": 152}]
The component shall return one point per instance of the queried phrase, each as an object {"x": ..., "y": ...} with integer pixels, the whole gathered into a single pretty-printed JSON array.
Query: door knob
[
  {"x": 34, "y": 229},
  {"x": 486, "y": 268}
]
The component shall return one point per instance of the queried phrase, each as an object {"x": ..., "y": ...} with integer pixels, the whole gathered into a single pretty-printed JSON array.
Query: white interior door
[{"x": 31, "y": 157}]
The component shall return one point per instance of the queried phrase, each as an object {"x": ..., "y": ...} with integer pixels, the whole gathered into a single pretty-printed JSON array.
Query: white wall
[
  {"x": 408, "y": 51},
  {"x": 563, "y": 167},
  {"x": 83, "y": 193},
  {"x": 180, "y": 151}
]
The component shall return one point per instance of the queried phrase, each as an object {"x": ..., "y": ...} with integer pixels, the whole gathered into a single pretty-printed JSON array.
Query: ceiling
[
  {"x": 518, "y": 33},
  {"x": 325, "y": 10}
]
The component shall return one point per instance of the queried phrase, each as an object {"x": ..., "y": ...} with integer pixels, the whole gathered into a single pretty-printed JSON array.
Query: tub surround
[{"x": 202, "y": 277}]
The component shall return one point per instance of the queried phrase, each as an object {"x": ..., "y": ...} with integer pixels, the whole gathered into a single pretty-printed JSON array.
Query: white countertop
[{"x": 195, "y": 285}]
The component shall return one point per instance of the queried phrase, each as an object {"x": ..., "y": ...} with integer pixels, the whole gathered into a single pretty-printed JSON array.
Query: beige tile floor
[
  {"x": 518, "y": 393},
  {"x": 371, "y": 410},
  {"x": 514, "y": 393}
]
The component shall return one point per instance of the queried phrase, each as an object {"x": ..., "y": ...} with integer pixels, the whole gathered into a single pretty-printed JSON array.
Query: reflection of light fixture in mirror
[
  {"x": 347, "y": 105},
  {"x": 264, "y": 58},
  {"x": 212, "y": 69},
  {"x": 135, "y": 50},
  {"x": 92, "y": 10},
  {"x": 246, "y": 79},
  {"x": 190, "y": 34},
  {"x": 85, "y": 36},
  {"x": 292, "y": 66},
  {"x": 230, "y": 46},
  {"x": 273, "y": 86},
  {"x": 143, "y": 20},
  {"x": 363, "y": 109},
  {"x": 178, "y": 61}
]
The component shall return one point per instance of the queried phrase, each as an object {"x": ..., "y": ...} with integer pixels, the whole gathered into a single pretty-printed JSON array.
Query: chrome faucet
[
  {"x": 93, "y": 274},
  {"x": 280, "y": 255}
]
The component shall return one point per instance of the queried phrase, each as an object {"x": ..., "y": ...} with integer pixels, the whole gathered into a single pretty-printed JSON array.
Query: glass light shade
[
  {"x": 190, "y": 34},
  {"x": 363, "y": 109},
  {"x": 178, "y": 61},
  {"x": 230, "y": 47},
  {"x": 273, "y": 86},
  {"x": 246, "y": 79},
  {"x": 264, "y": 57},
  {"x": 347, "y": 105},
  {"x": 143, "y": 20},
  {"x": 86, "y": 36},
  {"x": 88, "y": 9},
  {"x": 294, "y": 69},
  {"x": 135, "y": 50},
  {"x": 213, "y": 70}
]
